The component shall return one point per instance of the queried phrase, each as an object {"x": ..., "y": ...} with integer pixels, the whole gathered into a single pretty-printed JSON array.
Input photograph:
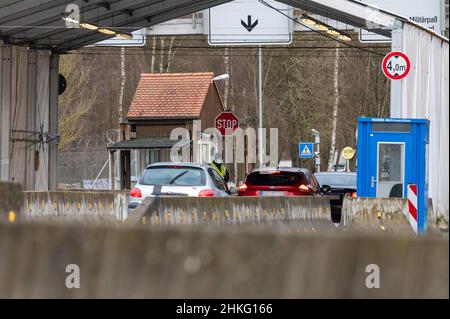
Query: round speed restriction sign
[{"x": 396, "y": 65}]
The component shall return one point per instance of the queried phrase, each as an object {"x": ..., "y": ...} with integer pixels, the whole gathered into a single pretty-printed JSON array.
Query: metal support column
[
  {"x": 112, "y": 169},
  {"x": 125, "y": 169},
  {"x": 53, "y": 121},
  {"x": 396, "y": 86},
  {"x": 5, "y": 112},
  {"x": 261, "y": 139},
  {"x": 31, "y": 120}
]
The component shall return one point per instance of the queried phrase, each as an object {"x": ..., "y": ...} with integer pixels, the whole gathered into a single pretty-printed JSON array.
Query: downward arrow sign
[{"x": 249, "y": 25}]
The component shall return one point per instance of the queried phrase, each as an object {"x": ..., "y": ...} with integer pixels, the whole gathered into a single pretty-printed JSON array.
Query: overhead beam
[{"x": 350, "y": 12}]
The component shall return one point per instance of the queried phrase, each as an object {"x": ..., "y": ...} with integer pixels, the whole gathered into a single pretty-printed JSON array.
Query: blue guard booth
[{"x": 392, "y": 154}]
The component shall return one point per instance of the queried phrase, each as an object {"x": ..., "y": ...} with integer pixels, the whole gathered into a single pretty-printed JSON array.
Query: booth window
[{"x": 390, "y": 169}]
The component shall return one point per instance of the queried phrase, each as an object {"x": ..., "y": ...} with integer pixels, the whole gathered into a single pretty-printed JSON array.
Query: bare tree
[
  {"x": 335, "y": 109},
  {"x": 123, "y": 77},
  {"x": 170, "y": 53},
  {"x": 227, "y": 68},
  {"x": 76, "y": 102},
  {"x": 161, "y": 55},
  {"x": 152, "y": 63}
]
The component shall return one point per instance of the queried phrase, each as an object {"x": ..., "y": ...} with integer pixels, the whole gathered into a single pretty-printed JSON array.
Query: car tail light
[
  {"x": 242, "y": 188},
  {"x": 136, "y": 193},
  {"x": 206, "y": 193},
  {"x": 303, "y": 188},
  {"x": 354, "y": 195}
]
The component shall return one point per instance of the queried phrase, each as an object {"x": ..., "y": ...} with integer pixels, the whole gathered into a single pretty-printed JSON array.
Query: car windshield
[
  {"x": 337, "y": 180},
  {"x": 276, "y": 179},
  {"x": 176, "y": 176}
]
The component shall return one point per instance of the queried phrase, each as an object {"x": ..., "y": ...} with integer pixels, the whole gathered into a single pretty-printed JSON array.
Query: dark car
[
  {"x": 341, "y": 184},
  {"x": 280, "y": 182}
]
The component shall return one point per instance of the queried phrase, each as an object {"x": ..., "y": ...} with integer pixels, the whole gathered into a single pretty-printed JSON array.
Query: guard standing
[{"x": 218, "y": 165}]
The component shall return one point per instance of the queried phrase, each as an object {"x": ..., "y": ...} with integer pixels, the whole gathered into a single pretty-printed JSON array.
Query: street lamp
[
  {"x": 317, "y": 152},
  {"x": 222, "y": 77}
]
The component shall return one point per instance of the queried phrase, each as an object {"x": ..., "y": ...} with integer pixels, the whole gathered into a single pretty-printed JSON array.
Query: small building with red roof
[
  {"x": 167, "y": 100},
  {"x": 162, "y": 103}
]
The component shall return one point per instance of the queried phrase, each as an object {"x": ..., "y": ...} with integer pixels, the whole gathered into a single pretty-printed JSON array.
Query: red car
[{"x": 280, "y": 182}]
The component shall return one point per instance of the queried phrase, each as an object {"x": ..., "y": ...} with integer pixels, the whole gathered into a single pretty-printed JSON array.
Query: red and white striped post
[{"x": 412, "y": 206}]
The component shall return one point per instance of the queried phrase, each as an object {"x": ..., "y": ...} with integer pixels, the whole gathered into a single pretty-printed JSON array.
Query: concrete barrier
[
  {"x": 76, "y": 205},
  {"x": 376, "y": 214},
  {"x": 11, "y": 201},
  {"x": 309, "y": 213},
  {"x": 194, "y": 261},
  {"x": 380, "y": 215}
]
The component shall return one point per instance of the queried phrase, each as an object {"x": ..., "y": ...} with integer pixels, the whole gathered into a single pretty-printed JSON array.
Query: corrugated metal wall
[
  {"x": 426, "y": 95},
  {"x": 25, "y": 104}
]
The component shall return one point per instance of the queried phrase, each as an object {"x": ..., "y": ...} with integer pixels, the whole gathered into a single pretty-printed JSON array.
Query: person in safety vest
[{"x": 218, "y": 165}]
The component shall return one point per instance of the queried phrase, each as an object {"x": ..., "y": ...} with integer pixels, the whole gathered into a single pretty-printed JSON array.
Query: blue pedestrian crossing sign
[{"x": 306, "y": 150}]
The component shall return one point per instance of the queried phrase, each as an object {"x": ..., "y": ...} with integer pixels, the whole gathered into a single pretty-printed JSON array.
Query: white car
[{"x": 179, "y": 179}]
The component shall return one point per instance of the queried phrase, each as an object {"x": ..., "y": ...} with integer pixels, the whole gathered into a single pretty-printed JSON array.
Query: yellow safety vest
[{"x": 222, "y": 172}]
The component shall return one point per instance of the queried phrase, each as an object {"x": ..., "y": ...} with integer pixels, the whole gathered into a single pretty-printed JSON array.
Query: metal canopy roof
[{"x": 39, "y": 24}]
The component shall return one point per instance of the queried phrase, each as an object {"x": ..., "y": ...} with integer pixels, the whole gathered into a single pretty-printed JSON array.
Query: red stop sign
[{"x": 227, "y": 123}]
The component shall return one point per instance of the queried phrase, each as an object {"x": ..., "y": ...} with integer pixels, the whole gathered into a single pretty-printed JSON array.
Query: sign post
[
  {"x": 261, "y": 152},
  {"x": 317, "y": 152},
  {"x": 348, "y": 153},
  {"x": 138, "y": 40},
  {"x": 250, "y": 22}
]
